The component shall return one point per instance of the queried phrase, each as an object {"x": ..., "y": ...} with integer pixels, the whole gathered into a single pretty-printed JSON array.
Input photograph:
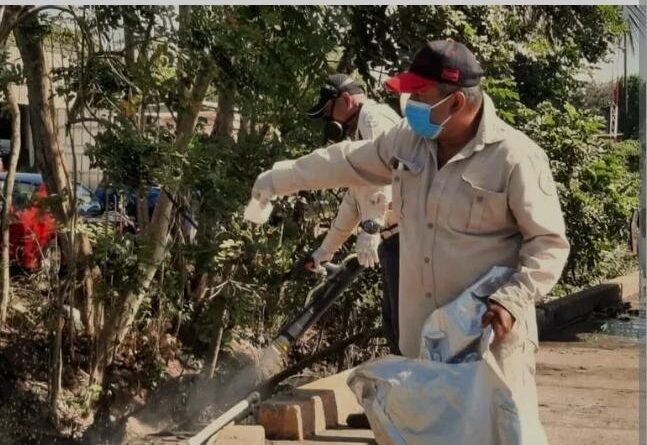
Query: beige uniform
[
  {"x": 493, "y": 203},
  {"x": 362, "y": 203}
]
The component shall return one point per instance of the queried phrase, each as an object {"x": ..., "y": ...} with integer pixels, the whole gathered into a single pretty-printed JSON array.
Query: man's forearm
[
  {"x": 346, "y": 164},
  {"x": 345, "y": 222},
  {"x": 542, "y": 260}
]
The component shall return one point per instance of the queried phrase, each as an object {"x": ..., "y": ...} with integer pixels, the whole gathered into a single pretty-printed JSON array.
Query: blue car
[{"x": 109, "y": 198}]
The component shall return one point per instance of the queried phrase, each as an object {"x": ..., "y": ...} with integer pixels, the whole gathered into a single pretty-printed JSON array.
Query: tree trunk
[
  {"x": 56, "y": 351},
  {"x": 224, "y": 123},
  {"x": 243, "y": 129},
  {"x": 48, "y": 151},
  {"x": 220, "y": 310},
  {"x": 127, "y": 305},
  {"x": 345, "y": 64},
  {"x": 143, "y": 219},
  {"x": 49, "y": 155},
  {"x": 14, "y": 111},
  {"x": 9, "y": 17}
]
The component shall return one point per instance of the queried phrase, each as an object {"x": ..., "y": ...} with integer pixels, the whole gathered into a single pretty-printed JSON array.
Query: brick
[
  {"x": 239, "y": 435},
  {"x": 341, "y": 403},
  {"x": 282, "y": 419},
  {"x": 307, "y": 417}
]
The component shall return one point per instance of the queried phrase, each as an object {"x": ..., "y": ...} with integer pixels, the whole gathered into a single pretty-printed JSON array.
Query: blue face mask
[{"x": 418, "y": 116}]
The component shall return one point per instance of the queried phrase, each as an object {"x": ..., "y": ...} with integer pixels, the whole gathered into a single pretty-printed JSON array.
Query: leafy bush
[{"x": 597, "y": 183}]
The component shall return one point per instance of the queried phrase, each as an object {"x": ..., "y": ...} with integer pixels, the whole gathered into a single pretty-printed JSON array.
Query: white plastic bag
[
  {"x": 422, "y": 402},
  {"x": 455, "y": 394}
]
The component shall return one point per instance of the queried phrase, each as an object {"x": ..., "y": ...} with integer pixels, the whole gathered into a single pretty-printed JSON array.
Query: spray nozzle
[{"x": 282, "y": 345}]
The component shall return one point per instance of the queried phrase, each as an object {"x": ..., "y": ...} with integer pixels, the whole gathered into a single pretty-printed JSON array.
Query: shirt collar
[
  {"x": 490, "y": 130},
  {"x": 362, "y": 111}
]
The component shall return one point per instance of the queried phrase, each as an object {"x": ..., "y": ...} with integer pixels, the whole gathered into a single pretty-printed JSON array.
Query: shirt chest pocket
[
  {"x": 406, "y": 187},
  {"x": 476, "y": 206}
]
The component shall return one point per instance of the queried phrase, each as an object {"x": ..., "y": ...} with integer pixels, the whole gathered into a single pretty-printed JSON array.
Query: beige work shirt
[
  {"x": 493, "y": 203},
  {"x": 362, "y": 203}
]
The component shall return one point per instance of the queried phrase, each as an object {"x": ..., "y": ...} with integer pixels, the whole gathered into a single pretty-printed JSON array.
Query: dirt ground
[
  {"x": 589, "y": 391},
  {"x": 589, "y": 386}
]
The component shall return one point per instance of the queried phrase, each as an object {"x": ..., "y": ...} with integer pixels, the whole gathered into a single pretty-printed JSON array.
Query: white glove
[
  {"x": 259, "y": 208},
  {"x": 376, "y": 207},
  {"x": 263, "y": 190},
  {"x": 366, "y": 248},
  {"x": 320, "y": 256}
]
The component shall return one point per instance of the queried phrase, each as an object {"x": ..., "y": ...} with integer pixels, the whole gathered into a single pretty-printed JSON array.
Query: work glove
[
  {"x": 313, "y": 262},
  {"x": 366, "y": 248},
  {"x": 263, "y": 190},
  {"x": 259, "y": 208},
  {"x": 376, "y": 207}
]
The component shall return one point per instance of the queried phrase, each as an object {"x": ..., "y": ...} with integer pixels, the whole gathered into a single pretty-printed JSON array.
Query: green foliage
[
  {"x": 10, "y": 72},
  {"x": 553, "y": 43},
  {"x": 598, "y": 184},
  {"x": 133, "y": 158},
  {"x": 540, "y": 47}
]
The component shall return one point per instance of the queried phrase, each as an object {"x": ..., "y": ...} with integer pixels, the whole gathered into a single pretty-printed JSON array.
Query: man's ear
[
  {"x": 460, "y": 100},
  {"x": 348, "y": 101}
]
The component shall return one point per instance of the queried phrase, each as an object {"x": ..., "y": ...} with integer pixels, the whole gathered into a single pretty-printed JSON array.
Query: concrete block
[
  {"x": 312, "y": 412},
  {"x": 239, "y": 435},
  {"x": 342, "y": 402},
  {"x": 324, "y": 404}
]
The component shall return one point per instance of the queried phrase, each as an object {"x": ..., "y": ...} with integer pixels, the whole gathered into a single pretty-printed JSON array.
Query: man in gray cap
[
  {"x": 350, "y": 114},
  {"x": 470, "y": 192}
]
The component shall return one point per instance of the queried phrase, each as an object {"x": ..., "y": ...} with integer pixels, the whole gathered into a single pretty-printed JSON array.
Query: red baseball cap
[{"x": 440, "y": 61}]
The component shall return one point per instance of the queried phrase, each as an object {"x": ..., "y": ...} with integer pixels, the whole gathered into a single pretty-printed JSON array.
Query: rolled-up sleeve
[
  {"x": 534, "y": 203},
  {"x": 343, "y": 225},
  {"x": 346, "y": 164}
]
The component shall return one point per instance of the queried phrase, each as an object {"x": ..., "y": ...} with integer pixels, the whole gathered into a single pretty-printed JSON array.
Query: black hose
[{"x": 322, "y": 298}]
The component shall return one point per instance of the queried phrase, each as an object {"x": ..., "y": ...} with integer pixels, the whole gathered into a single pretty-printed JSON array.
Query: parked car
[
  {"x": 118, "y": 206},
  {"x": 108, "y": 197},
  {"x": 32, "y": 230}
]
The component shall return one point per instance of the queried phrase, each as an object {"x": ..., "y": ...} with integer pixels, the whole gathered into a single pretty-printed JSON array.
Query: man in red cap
[{"x": 470, "y": 193}]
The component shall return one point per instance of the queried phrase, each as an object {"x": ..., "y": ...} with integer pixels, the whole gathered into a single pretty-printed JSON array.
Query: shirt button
[
  {"x": 427, "y": 260},
  {"x": 430, "y": 225},
  {"x": 479, "y": 198},
  {"x": 396, "y": 179},
  {"x": 428, "y": 295}
]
